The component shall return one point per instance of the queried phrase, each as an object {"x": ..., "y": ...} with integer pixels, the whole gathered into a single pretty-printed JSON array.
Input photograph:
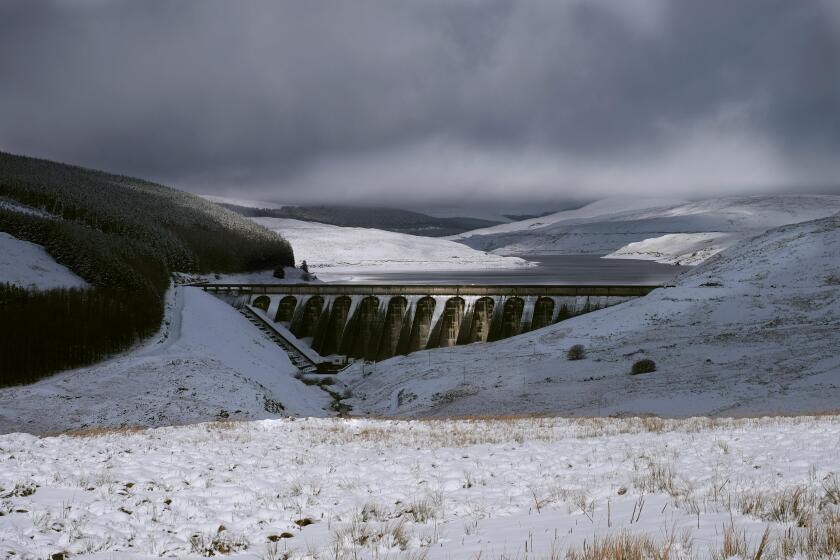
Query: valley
[{"x": 419, "y": 280}]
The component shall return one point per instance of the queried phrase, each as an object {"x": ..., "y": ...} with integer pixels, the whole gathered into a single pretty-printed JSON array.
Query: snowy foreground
[
  {"x": 522, "y": 488},
  {"x": 337, "y": 253},
  {"x": 754, "y": 330}
]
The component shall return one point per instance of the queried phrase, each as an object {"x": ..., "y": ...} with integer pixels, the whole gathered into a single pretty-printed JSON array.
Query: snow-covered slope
[
  {"x": 28, "y": 265},
  {"x": 535, "y": 488},
  {"x": 208, "y": 358},
  {"x": 678, "y": 248},
  {"x": 610, "y": 225},
  {"x": 334, "y": 251},
  {"x": 608, "y": 208},
  {"x": 755, "y": 329}
]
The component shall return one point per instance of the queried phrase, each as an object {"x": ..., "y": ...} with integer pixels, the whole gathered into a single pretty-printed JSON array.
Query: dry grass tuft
[
  {"x": 793, "y": 505},
  {"x": 99, "y": 432},
  {"x": 734, "y": 544},
  {"x": 626, "y": 546},
  {"x": 820, "y": 540},
  {"x": 659, "y": 477}
]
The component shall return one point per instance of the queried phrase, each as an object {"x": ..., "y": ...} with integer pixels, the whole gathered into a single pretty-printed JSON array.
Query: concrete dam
[{"x": 376, "y": 322}]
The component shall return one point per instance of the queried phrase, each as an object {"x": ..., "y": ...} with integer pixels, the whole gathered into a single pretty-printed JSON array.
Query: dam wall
[{"x": 376, "y": 322}]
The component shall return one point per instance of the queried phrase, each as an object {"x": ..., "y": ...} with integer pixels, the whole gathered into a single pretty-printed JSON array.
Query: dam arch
[
  {"x": 261, "y": 302},
  {"x": 482, "y": 318},
  {"x": 305, "y": 323},
  {"x": 421, "y": 329},
  {"x": 286, "y": 309},
  {"x": 333, "y": 333},
  {"x": 543, "y": 313},
  {"x": 376, "y": 322},
  {"x": 392, "y": 327},
  {"x": 360, "y": 339},
  {"x": 449, "y": 324},
  {"x": 509, "y": 322}
]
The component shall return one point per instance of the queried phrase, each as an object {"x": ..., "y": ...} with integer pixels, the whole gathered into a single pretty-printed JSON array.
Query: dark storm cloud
[{"x": 412, "y": 101}]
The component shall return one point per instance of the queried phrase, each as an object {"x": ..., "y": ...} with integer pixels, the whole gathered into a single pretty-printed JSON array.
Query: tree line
[{"x": 124, "y": 237}]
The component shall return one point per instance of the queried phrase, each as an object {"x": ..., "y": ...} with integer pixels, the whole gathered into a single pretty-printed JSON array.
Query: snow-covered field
[
  {"x": 28, "y": 265},
  {"x": 359, "y": 489},
  {"x": 339, "y": 253},
  {"x": 207, "y": 362},
  {"x": 756, "y": 329},
  {"x": 612, "y": 225}
]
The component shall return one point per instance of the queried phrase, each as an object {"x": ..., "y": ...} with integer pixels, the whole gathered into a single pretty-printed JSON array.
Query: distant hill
[
  {"x": 668, "y": 230},
  {"x": 388, "y": 219},
  {"x": 124, "y": 237}
]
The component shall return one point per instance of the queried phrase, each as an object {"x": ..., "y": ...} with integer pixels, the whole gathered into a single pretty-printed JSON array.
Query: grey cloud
[{"x": 441, "y": 100}]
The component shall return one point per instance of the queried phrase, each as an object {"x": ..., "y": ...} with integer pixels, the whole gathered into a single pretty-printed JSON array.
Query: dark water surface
[{"x": 552, "y": 269}]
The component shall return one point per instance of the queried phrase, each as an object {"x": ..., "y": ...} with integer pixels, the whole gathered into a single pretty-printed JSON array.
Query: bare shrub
[
  {"x": 643, "y": 366},
  {"x": 576, "y": 352}
]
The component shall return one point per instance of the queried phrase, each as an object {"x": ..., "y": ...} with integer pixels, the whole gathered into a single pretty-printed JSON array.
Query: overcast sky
[{"x": 434, "y": 101}]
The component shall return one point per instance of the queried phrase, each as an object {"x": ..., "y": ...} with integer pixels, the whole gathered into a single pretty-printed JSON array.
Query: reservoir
[{"x": 550, "y": 269}]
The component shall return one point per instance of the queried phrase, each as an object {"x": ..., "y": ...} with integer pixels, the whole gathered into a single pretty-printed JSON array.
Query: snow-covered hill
[
  {"x": 207, "y": 359},
  {"x": 28, "y": 265},
  {"x": 608, "y": 209},
  {"x": 679, "y": 248},
  {"x": 611, "y": 225},
  {"x": 755, "y": 329},
  {"x": 334, "y": 252}
]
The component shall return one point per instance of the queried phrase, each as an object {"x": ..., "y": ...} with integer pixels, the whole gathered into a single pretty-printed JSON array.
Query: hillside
[
  {"x": 28, "y": 265},
  {"x": 206, "y": 359},
  {"x": 123, "y": 237},
  {"x": 753, "y": 330},
  {"x": 611, "y": 225},
  {"x": 387, "y": 219},
  {"x": 334, "y": 252}
]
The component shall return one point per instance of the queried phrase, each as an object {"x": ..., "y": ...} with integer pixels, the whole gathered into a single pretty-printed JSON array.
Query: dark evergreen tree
[{"x": 124, "y": 236}]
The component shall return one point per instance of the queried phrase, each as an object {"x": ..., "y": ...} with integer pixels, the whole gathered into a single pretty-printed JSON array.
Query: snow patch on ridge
[
  {"x": 29, "y": 265},
  {"x": 678, "y": 248}
]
